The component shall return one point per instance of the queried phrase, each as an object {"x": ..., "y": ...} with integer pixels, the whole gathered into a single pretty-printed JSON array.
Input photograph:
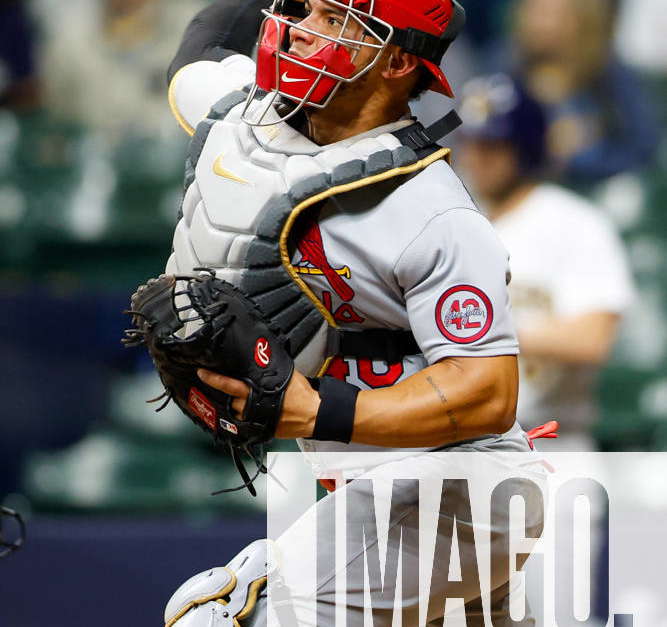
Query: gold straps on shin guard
[
  {"x": 218, "y": 596},
  {"x": 253, "y": 593}
]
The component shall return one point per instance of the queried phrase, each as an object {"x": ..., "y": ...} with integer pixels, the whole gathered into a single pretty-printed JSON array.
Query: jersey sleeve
[
  {"x": 195, "y": 88},
  {"x": 454, "y": 279},
  {"x": 595, "y": 274}
]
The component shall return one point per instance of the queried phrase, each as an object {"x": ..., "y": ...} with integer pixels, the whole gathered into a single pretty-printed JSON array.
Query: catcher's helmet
[
  {"x": 497, "y": 107},
  {"x": 425, "y": 28}
]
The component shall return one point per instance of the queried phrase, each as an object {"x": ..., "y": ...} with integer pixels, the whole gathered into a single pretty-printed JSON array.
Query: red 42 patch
[{"x": 464, "y": 314}]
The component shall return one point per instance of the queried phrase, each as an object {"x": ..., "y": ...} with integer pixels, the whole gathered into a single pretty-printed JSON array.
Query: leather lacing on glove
[{"x": 160, "y": 325}]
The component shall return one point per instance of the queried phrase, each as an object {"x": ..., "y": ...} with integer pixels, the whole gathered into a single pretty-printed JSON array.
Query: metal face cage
[{"x": 258, "y": 106}]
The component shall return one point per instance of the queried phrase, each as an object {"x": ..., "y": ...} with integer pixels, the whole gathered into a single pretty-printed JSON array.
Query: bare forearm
[
  {"x": 585, "y": 339},
  {"x": 455, "y": 399},
  {"x": 447, "y": 402}
]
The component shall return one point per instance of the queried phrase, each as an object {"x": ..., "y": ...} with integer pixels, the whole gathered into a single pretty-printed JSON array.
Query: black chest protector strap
[
  {"x": 424, "y": 140},
  {"x": 383, "y": 344}
]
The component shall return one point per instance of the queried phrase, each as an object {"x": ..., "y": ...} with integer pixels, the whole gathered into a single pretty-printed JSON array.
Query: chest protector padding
[{"x": 246, "y": 187}]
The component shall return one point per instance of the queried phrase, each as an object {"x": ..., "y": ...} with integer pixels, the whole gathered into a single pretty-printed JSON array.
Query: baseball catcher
[
  {"x": 331, "y": 279},
  {"x": 256, "y": 241}
]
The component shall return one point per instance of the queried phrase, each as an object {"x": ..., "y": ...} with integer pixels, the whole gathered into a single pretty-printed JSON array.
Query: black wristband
[{"x": 335, "y": 417}]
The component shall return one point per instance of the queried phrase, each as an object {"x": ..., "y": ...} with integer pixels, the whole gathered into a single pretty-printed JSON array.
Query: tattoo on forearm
[
  {"x": 438, "y": 391},
  {"x": 443, "y": 399}
]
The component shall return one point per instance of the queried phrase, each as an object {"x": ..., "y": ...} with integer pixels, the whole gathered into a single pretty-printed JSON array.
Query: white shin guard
[{"x": 221, "y": 596}]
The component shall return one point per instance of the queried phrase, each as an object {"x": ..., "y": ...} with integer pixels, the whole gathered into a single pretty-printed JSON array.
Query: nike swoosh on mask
[{"x": 287, "y": 79}]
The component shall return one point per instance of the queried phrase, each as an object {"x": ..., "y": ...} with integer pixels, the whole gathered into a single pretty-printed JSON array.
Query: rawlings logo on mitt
[{"x": 191, "y": 322}]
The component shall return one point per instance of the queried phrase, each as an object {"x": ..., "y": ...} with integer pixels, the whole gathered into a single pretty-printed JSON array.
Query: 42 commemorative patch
[{"x": 464, "y": 314}]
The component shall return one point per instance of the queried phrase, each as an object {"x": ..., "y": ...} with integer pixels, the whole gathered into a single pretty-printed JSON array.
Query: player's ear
[{"x": 399, "y": 63}]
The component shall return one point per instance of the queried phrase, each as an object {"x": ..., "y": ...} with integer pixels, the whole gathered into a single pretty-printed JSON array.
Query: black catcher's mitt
[{"x": 191, "y": 322}]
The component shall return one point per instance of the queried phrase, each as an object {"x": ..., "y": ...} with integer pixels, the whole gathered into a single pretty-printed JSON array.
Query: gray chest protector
[{"x": 246, "y": 187}]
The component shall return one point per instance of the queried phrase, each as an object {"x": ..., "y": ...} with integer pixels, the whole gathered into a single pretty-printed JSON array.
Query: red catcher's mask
[
  {"x": 424, "y": 28},
  {"x": 299, "y": 78}
]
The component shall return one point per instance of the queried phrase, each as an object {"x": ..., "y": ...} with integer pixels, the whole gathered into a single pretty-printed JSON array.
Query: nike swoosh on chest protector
[{"x": 220, "y": 171}]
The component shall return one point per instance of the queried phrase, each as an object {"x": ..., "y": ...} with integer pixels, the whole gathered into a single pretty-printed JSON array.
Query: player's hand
[{"x": 299, "y": 407}]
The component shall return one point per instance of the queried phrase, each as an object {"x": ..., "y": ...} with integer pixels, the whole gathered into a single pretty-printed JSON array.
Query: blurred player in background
[
  {"x": 570, "y": 279},
  {"x": 598, "y": 121},
  {"x": 118, "y": 42}
]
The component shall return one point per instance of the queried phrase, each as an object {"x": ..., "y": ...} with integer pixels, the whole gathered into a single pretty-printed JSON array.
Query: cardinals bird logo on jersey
[{"x": 314, "y": 262}]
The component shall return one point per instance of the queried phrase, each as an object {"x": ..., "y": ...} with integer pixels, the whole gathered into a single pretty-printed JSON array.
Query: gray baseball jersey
[
  {"x": 410, "y": 253},
  {"x": 421, "y": 258}
]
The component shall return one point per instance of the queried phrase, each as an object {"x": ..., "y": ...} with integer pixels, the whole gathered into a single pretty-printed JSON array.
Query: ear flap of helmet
[{"x": 431, "y": 48}]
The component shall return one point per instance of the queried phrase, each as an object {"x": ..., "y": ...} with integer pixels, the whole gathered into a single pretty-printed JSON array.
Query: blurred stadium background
[{"x": 117, "y": 497}]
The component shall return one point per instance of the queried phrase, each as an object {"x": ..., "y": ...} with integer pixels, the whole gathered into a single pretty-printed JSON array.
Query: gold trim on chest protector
[{"x": 443, "y": 153}]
